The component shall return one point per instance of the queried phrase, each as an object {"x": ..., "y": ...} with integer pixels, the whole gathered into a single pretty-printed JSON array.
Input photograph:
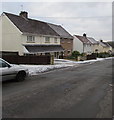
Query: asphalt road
[{"x": 77, "y": 92}]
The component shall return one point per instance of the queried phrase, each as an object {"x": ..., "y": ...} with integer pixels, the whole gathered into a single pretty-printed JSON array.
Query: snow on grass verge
[
  {"x": 59, "y": 63},
  {"x": 64, "y": 61},
  {"x": 35, "y": 69}
]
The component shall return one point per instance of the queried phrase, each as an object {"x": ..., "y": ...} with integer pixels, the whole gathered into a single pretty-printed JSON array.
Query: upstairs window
[
  {"x": 55, "y": 40},
  {"x": 31, "y": 39},
  {"x": 47, "y": 40}
]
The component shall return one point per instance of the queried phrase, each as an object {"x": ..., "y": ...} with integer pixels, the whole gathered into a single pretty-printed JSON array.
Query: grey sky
[{"x": 93, "y": 18}]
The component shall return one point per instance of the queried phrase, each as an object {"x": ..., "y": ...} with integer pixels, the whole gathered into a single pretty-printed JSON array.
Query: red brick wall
[{"x": 67, "y": 44}]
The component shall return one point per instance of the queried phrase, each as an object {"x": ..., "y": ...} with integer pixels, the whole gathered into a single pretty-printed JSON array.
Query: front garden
[{"x": 77, "y": 56}]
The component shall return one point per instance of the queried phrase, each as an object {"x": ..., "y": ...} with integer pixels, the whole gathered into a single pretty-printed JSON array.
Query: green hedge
[
  {"x": 75, "y": 54},
  {"x": 104, "y": 55}
]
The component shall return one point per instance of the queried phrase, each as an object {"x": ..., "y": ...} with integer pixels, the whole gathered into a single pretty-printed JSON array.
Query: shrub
[
  {"x": 103, "y": 55},
  {"x": 70, "y": 57},
  {"x": 83, "y": 54},
  {"x": 75, "y": 54}
]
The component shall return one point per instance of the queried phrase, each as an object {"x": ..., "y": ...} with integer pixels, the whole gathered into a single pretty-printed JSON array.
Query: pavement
[{"x": 77, "y": 92}]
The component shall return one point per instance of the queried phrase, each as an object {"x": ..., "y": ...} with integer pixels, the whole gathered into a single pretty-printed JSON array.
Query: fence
[
  {"x": 36, "y": 60},
  {"x": 92, "y": 56}
]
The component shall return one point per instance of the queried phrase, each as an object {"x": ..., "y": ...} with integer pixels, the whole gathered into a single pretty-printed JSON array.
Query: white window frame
[
  {"x": 47, "y": 39},
  {"x": 30, "y": 39},
  {"x": 55, "y": 40}
]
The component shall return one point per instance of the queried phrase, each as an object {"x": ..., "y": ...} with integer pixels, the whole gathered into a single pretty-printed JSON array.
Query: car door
[{"x": 6, "y": 71}]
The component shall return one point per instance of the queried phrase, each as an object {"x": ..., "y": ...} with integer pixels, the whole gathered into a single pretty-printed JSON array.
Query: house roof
[
  {"x": 111, "y": 43},
  {"x": 61, "y": 31},
  {"x": 87, "y": 40},
  {"x": 27, "y": 25},
  {"x": 43, "y": 48},
  {"x": 83, "y": 39},
  {"x": 92, "y": 40},
  {"x": 104, "y": 44}
]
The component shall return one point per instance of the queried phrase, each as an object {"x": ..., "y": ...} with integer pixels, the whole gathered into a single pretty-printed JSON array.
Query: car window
[
  {"x": 0, "y": 63},
  {"x": 3, "y": 64}
]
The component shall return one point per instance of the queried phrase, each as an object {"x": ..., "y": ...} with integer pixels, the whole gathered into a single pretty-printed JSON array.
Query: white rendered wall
[
  {"x": 11, "y": 36},
  {"x": 77, "y": 45}
]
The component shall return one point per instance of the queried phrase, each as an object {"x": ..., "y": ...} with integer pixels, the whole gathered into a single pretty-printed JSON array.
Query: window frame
[
  {"x": 3, "y": 62},
  {"x": 30, "y": 39},
  {"x": 55, "y": 40},
  {"x": 47, "y": 39}
]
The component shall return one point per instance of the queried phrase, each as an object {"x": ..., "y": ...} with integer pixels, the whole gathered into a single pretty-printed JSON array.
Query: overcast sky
[{"x": 92, "y": 18}]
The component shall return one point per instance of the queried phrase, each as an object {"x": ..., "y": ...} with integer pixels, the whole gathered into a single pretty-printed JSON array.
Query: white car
[{"x": 9, "y": 71}]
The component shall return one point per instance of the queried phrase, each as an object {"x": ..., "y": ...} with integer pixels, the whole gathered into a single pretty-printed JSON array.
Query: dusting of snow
[
  {"x": 58, "y": 63},
  {"x": 35, "y": 69}
]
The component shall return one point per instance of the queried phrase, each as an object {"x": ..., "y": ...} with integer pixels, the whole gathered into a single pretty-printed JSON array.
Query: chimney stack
[
  {"x": 101, "y": 40},
  {"x": 23, "y": 14},
  {"x": 84, "y": 34}
]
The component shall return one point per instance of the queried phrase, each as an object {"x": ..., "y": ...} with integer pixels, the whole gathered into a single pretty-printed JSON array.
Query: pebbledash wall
[{"x": 13, "y": 39}]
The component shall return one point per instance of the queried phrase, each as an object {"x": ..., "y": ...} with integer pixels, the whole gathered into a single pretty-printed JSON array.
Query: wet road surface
[{"x": 77, "y": 92}]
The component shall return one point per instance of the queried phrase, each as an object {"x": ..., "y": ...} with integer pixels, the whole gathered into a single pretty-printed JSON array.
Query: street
[{"x": 76, "y": 92}]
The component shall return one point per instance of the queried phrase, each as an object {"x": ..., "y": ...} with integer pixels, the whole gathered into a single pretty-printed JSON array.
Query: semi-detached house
[
  {"x": 82, "y": 44},
  {"x": 88, "y": 45},
  {"x": 66, "y": 40},
  {"x": 104, "y": 47},
  {"x": 28, "y": 36}
]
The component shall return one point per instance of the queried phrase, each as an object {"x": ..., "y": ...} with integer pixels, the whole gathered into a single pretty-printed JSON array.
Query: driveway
[{"x": 77, "y": 92}]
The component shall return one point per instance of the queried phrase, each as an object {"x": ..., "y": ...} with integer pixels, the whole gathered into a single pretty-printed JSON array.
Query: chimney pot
[
  {"x": 24, "y": 14},
  {"x": 84, "y": 34},
  {"x": 101, "y": 40}
]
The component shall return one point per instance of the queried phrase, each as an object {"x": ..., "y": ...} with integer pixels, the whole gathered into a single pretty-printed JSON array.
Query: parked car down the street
[{"x": 10, "y": 71}]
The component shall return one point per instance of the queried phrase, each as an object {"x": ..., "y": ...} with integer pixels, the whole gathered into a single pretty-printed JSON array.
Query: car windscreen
[{"x": 3, "y": 64}]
